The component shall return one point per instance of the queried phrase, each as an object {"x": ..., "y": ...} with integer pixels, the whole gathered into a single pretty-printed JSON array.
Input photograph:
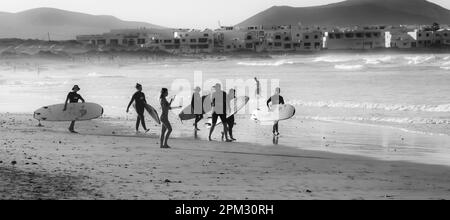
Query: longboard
[
  {"x": 187, "y": 114},
  {"x": 235, "y": 105},
  {"x": 74, "y": 112},
  {"x": 152, "y": 112},
  {"x": 276, "y": 113}
]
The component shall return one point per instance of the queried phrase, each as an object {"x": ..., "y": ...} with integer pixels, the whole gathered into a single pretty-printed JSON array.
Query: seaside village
[{"x": 274, "y": 38}]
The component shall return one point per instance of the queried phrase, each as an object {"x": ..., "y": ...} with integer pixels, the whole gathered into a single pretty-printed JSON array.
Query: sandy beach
[{"x": 102, "y": 163}]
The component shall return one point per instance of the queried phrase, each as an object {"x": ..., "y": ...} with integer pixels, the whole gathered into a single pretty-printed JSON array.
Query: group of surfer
[{"x": 220, "y": 103}]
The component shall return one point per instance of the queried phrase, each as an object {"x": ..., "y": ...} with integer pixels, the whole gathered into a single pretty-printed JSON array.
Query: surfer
[
  {"x": 230, "y": 120},
  {"x": 257, "y": 92},
  {"x": 219, "y": 104},
  {"x": 197, "y": 107},
  {"x": 166, "y": 126},
  {"x": 276, "y": 99},
  {"x": 140, "y": 102},
  {"x": 258, "y": 87},
  {"x": 73, "y": 97}
]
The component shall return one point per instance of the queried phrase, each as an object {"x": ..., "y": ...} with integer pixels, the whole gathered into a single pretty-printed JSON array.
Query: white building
[{"x": 356, "y": 39}]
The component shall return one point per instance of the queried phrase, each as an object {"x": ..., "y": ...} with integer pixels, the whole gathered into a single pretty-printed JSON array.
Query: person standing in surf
[
  {"x": 197, "y": 107},
  {"x": 166, "y": 126},
  {"x": 139, "y": 99},
  {"x": 257, "y": 92},
  {"x": 73, "y": 97},
  {"x": 230, "y": 120},
  {"x": 219, "y": 105},
  {"x": 276, "y": 99}
]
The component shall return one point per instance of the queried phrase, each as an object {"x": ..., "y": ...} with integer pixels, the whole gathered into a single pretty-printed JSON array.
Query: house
[
  {"x": 229, "y": 39},
  {"x": 442, "y": 37},
  {"x": 195, "y": 41},
  {"x": 121, "y": 37},
  {"x": 425, "y": 38},
  {"x": 356, "y": 39},
  {"x": 401, "y": 38}
]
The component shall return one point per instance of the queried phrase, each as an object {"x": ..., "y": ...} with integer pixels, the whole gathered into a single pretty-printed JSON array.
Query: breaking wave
[
  {"x": 376, "y": 106},
  {"x": 277, "y": 63},
  {"x": 428, "y": 121},
  {"x": 349, "y": 67}
]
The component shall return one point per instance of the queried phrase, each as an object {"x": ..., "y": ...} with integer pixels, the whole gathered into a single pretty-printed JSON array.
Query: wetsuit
[
  {"x": 276, "y": 100},
  {"x": 140, "y": 102},
  {"x": 219, "y": 104},
  {"x": 197, "y": 107},
  {"x": 73, "y": 97}
]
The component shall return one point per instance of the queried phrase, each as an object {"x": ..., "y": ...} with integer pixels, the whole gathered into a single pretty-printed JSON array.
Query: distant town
[{"x": 282, "y": 38}]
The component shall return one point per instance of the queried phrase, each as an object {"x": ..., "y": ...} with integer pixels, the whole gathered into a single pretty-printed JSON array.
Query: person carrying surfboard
[
  {"x": 140, "y": 102},
  {"x": 276, "y": 99},
  {"x": 197, "y": 107},
  {"x": 73, "y": 97},
  {"x": 219, "y": 105},
  {"x": 230, "y": 120}
]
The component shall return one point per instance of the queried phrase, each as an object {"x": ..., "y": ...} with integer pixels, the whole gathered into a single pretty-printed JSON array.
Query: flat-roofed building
[{"x": 356, "y": 39}]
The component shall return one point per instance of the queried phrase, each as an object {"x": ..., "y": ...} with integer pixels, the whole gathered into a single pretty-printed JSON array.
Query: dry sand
[{"x": 100, "y": 163}]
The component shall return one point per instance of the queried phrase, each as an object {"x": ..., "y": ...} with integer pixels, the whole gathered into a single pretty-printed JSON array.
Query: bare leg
[
  {"x": 163, "y": 133},
  {"x": 169, "y": 131}
]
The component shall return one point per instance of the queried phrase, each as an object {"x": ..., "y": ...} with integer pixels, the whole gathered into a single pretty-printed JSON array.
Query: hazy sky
[{"x": 170, "y": 13}]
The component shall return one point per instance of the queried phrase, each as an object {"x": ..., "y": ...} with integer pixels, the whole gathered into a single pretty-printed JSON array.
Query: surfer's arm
[
  {"x": 129, "y": 105},
  {"x": 268, "y": 102},
  {"x": 82, "y": 100},
  {"x": 65, "y": 103}
]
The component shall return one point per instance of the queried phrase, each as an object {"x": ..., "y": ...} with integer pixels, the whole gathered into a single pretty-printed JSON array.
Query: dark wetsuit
[
  {"x": 140, "y": 102},
  {"x": 276, "y": 100},
  {"x": 74, "y": 97},
  {"x": 219, "y": 104}
]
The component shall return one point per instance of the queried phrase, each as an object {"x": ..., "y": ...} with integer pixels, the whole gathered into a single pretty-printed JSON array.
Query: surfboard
[
  {"x": 187, "y": 114},
  {"x": 74, "y": 112},
  {"x": 152, "y": 112},
  {"x": 235, "y": 106},
  {"x": 276, "y": 113}
]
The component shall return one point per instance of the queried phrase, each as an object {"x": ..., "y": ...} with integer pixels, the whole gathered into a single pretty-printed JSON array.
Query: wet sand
[{"x": 102, "y": 162}]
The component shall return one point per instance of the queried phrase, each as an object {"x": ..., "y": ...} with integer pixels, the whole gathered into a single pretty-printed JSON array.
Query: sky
[{"x": 171, "y": 13}]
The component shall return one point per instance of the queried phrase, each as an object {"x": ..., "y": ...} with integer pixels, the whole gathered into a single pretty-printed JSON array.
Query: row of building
[{"x": 271, "y": 38}]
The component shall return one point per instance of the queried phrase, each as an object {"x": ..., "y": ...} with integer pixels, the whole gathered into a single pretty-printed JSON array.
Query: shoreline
[{"x": 126, "y": 167}]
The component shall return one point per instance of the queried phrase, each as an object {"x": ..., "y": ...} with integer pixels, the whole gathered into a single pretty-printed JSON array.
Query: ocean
[{"x": 388, "y": 106}]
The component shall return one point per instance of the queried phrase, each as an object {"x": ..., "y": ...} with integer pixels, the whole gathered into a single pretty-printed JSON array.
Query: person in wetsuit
[
  {"x": 73, "y": 97},
  {"x": 231, "y": 120},
  {"x": 197, "y": 107},
  {"x": 276, "y": 99},
  {"x": 140, "y": 103},
  {"x": 219, "y": 105}
]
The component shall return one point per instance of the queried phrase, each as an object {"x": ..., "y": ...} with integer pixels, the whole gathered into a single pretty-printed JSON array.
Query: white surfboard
[
  {"x": 187, "y": 114},
  {"x": 236, "y": 105},
  {"x": 276, "y": 113},
  {"x": 74, "y": 112},
  {"x": 152, "y": 112}
]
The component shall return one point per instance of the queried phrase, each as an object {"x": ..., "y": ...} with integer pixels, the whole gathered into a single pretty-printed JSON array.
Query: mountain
[
  {"x": 355, "y": 12},
  {"x": 60, "y": 24}
]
